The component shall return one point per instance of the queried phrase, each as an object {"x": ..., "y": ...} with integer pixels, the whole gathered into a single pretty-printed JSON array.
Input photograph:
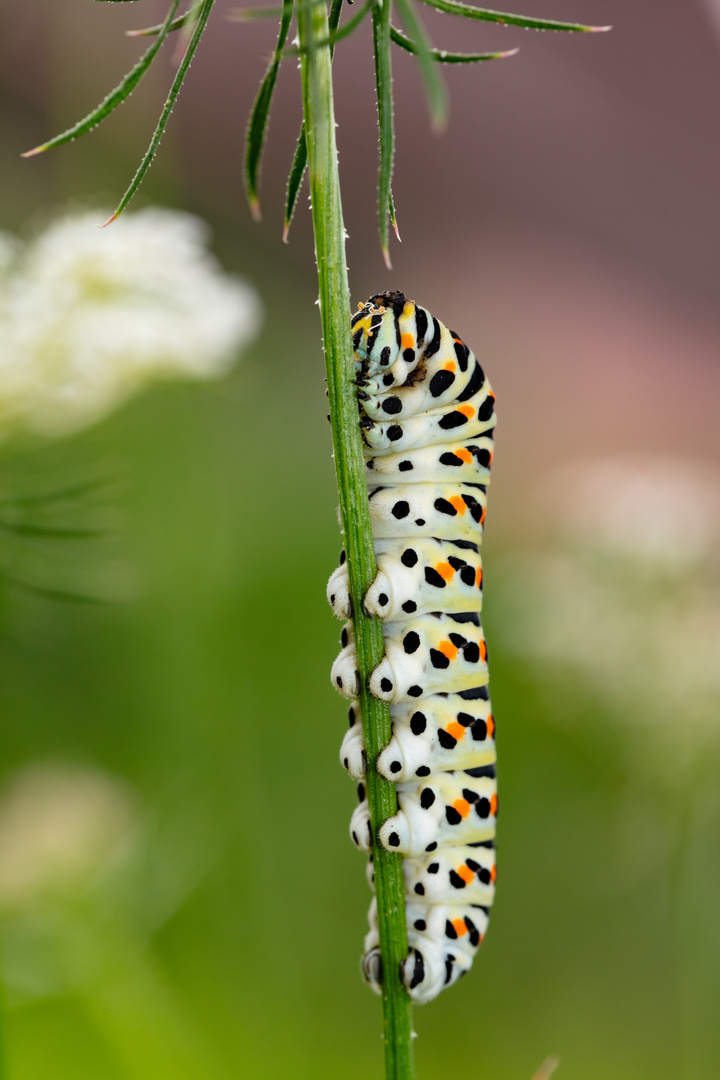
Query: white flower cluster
[
  {"x": 88, "y": 316},
  {"x": 628, "y": 598}
]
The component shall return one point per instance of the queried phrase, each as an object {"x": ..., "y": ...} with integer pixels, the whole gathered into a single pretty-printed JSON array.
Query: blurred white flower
[
  {"x": 61, "y": 826},
  {"x": 87, "y": 316},
  {"x": 628, "y": 598}
]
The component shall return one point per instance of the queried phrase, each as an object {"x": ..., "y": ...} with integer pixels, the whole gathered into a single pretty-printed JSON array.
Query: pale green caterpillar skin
[{"x": 427, "y": 419}]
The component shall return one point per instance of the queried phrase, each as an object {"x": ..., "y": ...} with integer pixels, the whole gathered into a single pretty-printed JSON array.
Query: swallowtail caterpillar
[{"x": 427, "y": 419}]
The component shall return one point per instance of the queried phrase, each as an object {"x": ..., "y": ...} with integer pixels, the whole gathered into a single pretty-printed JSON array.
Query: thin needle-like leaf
[
  {"x": 257, "y": 128},
  {"x": 452, "y": 7},
  {"x": 168, "y": 108},
  {"x": 297, "y": 171},
  {"x": 393, "y": 216},
  {"x": 299, "y": 164},
  {"x": 434, "y": 85},
  {"x": 182, "y": 20},
  {"x": 116, "y": 96},
  {"x": 442, "y": 56},
  {"x": 383, "y": 82}
]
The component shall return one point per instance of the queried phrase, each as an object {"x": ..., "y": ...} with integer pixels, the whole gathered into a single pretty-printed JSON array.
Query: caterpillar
[{"x": 427, "y": 417}]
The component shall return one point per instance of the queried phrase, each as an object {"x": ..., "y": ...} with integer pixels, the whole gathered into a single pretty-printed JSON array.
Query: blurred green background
[{"x": 217, "y": 934}]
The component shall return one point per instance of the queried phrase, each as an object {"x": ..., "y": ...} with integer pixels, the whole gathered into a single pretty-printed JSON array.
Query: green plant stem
[{"x": 329, "y": 232}]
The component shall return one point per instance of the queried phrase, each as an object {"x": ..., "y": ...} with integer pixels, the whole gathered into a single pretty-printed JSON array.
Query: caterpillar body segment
[
  {"x": 467, "y": 420},
  {"x": 443, "y": 940},
  {"x": 415, "y": 578},
  {"x": 446, "y": 732},
  {"x": 465, "y": 460},
  {"x": 450, "y": 875},
  {"x": 427, "y": 417},
  {"x": 447, "y": 511}
]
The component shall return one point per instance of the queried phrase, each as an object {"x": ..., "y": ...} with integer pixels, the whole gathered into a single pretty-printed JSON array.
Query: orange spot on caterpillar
[
  {"x": 466, "y": 410},
  {"x": 490, "y": 724},
  {"x": 463, "y": 454},
  {"x": 407, "y": 341},
  {"x": 463, "y": 806},
  {"x": 459, "y": 927},
  {"x": 465, "y": 873},
  {"x": 456, "y": 730},
  {"x": 450, "y": 366},
  {"x": 459, "y": 503},
  {"x": 482, "y": 516},
  {"x": 478, "y": 576},
  {"x": 445, "y": 570},
  {"x": 493, "y": 805},
  {"x": 493, "y": 873},
  {"x": 448, "y": 649},
  {"x": 483, "y": 650}
]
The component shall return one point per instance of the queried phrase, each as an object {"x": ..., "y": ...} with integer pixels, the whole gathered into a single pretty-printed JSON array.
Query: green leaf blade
[
  {"x": 116, "y": 96},
  {"x": 297, "y": 171}
]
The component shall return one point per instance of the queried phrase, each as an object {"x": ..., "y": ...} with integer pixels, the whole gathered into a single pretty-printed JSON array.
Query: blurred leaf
[
  {"x": 116, "y": 96},
  {"x": 250, "y": 14},
  {"x": 441, "y": 56},
  {"x": 29, "y": 529},
  {"x": 452, "y": 7},
  {"x": 297, "y": 170},
  {"x": 434, "y": 85},
  {"x": 169, "y": 104},
  {"x": 257, "y": 127},
  {"x": 383, "y": 81},
  {"x": 55, "y": 594},
  {"x": 547, "y": 1068},
  {"x": 61, "y": 494},
  {"x": 182, "y": 20}
]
